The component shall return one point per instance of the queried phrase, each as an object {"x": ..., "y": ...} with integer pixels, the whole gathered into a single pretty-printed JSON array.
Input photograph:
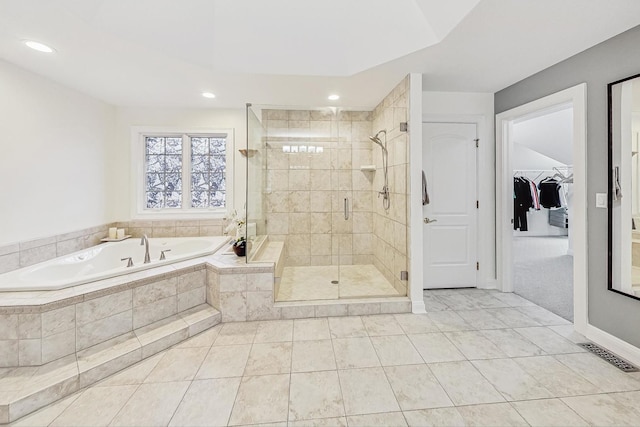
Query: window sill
[{"x": 213, "y": 214}]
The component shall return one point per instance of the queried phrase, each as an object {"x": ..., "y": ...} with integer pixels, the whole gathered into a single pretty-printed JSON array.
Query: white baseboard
[
  {"x": 614, "y": 344},
  {"x": 418, "y": 307}
]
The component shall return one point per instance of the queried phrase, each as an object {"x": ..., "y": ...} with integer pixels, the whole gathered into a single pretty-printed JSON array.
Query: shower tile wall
[
  {"x": 313, "y": 163},
  {"x": 390, "y": 228}
]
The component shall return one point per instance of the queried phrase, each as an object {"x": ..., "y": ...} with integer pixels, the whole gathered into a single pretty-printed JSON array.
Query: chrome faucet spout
[{"x": 145, "y": 241}]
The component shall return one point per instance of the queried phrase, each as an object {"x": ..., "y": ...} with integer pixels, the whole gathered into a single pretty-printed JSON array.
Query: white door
[{"x": 450, "y": 218}]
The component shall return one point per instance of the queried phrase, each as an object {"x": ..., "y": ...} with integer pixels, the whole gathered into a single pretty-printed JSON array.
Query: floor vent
[{"x": 619, "y": 363}]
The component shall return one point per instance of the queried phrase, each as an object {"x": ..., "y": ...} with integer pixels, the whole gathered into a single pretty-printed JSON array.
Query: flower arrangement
[{"x": 239, "y": 224}]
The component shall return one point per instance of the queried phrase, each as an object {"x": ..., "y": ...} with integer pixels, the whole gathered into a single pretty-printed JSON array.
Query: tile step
[{"x": 26, "y": 389}]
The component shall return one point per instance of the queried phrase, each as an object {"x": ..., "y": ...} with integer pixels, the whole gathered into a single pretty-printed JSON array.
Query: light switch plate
[{"x": 601, "y": 200}]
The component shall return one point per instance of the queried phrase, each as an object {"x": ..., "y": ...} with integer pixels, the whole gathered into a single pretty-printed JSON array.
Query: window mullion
[{"x": 186, "y": 172}]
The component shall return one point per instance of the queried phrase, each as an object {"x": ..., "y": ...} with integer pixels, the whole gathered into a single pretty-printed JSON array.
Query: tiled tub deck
[{"x": 54, "y": 343}]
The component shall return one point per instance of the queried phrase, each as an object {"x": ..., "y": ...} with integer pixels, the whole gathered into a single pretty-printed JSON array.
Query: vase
[{"x": 240, "y": 249}]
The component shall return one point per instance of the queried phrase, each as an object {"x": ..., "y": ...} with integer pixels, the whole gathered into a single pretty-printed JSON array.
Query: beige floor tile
[
  {"x": 548, "y": 340},
  {"x": 415, "y": 387},
  {"x": 449, "y": 321},
  {"x": 597, "y": 371},
  {"x": 433, "y": 303},
  {"x": 556, "y": 377},
  {"x": 629, "y": 398},
  {"x": 387, "y": 419},
  {"x": 416, "y": 323},
  {"x": 603, "y": 410},
  {"x": 135, "y": 374},
  {"x": 481, "y": 319},
  {"x": 440, "y": 417},
  {"x": 366, "y": 391},
  {"x": 96, "y": 406},
  {"x": 568, "y": 332},
  {"x": 548, "y": 413},
  {"x": 355, "y": 353},
  {"x": 512, "y": 299},
  {"x": 261, "y": 399},
  {"x": 513, "y": 318},
  {"x": 274, "y": 331},
  {"x": 203, "y": 339},
  {"x": 46, "y": 415},
  {"x": 474, "y": 345},
  {"x": 224, "y": 361},
  {"x": 179, "y": 364},
  {"x": 347, "y": 327},
  {"x": 497, "y": 414},
  {"x": 488, "y": 300},
  {"x": 315, "y": 395},
  {"x": 543, "y": 316},
  {"x": 311, "y": 329},
  {"x": 319, "y": 422},
  {"x": 510, "y": 380},
  {"x": 383, "y": 324},
  {"x": 310, "y": 356},
  {"x": 512, "y": 343},
  {"x": 458, "y": 301},
  {"x": 436, "y": 347},
  {"x": 395, "y": 350},
  {"x": 152, "y": 404},
  {"x": 269, "y": 358},
  {"x": 464, "y": 384},
  {"x": 236, "y": 333},
  {"x": 207, "y": 403}
]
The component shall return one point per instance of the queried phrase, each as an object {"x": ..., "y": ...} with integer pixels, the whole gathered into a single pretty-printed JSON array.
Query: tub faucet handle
[
  {"x": 129, "y": 263},
  {"x": 162, "y": 256}
]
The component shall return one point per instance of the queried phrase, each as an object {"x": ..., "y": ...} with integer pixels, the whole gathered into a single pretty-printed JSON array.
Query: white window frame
[{"x": 138, "y": 169}]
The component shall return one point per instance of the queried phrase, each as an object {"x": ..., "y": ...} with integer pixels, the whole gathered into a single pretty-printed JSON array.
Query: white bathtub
[{"x": 103, "y": 261}]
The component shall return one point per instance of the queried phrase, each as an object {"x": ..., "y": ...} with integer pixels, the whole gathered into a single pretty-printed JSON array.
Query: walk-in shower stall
[{"x": 317, "y": 182}]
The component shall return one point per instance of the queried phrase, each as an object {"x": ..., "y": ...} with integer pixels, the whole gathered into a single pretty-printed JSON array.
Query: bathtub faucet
[{"x": 145, "y": 241}]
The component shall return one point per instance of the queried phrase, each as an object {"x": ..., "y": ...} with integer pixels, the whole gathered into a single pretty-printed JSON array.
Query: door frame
[
  {"x": 478, "y": 121},
  {"x": 576, "y": 97}
]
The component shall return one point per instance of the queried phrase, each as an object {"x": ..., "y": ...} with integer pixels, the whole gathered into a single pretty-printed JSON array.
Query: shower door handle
[{"x": 346, "y": 208}]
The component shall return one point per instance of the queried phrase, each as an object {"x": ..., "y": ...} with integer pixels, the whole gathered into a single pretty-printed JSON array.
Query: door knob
[{"x": 427, "y": 220}]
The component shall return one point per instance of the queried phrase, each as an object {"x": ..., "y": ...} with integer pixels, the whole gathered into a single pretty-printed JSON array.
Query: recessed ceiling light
[
  {"x": 333, "y": 97},
  {"x": 208, "y": 95},
  {"x": 38, "y": 46}
]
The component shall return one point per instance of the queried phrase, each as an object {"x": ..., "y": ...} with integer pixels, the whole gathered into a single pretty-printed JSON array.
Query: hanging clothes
[
  {"x": 549, "y": 193},
  {"x": 523, "y": 200}
]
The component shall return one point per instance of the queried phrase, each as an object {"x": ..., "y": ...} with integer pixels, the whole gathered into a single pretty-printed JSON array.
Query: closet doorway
[
  {"x": 573, "y": 99},
  {"x": 542, "y": 161}
]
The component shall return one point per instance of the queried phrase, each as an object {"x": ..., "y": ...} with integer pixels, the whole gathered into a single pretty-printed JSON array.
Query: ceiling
[
  {"x": 549, "y": 134},
  {"x": 296, "y": 52}
]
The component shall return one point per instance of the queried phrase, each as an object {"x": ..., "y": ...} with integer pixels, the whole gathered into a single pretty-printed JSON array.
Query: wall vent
[{"x": 605, "y": 354}]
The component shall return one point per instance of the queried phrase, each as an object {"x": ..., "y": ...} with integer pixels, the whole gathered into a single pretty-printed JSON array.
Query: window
[{"x": 181, "y": 173}]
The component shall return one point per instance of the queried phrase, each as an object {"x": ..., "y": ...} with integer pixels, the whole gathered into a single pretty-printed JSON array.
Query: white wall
[
  {"x": 474, "y": 108},
  {"x": 173, "y": 118},
  {"x": 54, "y": 157}
]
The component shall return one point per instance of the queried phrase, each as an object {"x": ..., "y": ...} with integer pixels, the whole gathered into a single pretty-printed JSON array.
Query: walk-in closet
[{"x": 542, "y": 182}]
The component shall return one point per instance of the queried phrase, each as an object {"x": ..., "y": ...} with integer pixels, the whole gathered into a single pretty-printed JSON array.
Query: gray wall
[{"x": 609, "y": 61}]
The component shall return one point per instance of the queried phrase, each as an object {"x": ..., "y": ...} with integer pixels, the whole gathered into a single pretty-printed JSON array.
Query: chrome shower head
[{"x": 377, "y": 140}]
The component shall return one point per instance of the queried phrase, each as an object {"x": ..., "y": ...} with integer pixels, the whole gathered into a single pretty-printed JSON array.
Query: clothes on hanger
[
  {"x": 524, "y": 198},
  {"x": 550, "y": 193}
]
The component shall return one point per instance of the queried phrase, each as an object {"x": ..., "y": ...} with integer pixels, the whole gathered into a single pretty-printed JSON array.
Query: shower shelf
[{"x": 368, "y": 168}]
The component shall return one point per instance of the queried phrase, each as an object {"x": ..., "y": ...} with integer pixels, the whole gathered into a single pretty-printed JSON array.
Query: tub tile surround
[
  {"x": 55, "y": 342},
  {"x": 23, "y": 254}
]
